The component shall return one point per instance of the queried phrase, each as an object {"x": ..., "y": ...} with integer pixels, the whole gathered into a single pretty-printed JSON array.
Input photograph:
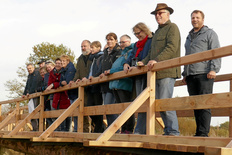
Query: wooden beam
[
  {"x": 41, "y": 117},
  {"x": 67, "y": 140},
  {"x": 207, "y": 101},
  {"x": 17, "y": 114},
  {"x": 150, "y": 124},
  {"x": 80, "y": 118},
  {"x": 193, "y": 58},
  {"x": 114, "y": 144},
  {"x": 124, "y": 116},
  {"x": 7, "y": 119},
  {"x": 59, "y": 120},
  {"x": 22, "y": 123}
]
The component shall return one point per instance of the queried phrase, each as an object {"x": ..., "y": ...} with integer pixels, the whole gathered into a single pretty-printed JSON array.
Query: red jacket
[{"x": 60, "y": 98}]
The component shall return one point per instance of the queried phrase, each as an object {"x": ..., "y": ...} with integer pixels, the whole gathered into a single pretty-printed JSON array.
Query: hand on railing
[
  {"x": 107, "y": 72},
  {"x": 150, "y": 64},
  {"x": 70, "y": 83},
  {"x": 49, "y": 87},
  {"x": 211, "y": 75},
  {"x": 64, "y": 83},
  {"x": 90, "y": 78},
  {"x": 126, "y": 68},
  {"x": 184, "y": 80},
  {"x": 78, "y": 80},
  {"x": 101, "y": 75},
  {"x": 140, "y": 64}
]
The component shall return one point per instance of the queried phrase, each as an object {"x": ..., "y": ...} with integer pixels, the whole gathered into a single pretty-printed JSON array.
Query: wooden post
[
  {"x": 81, "y": 94},
  {"x": 151, "y": 82},
  {"x": 17, "y": 114},
  {"x": 41, "y": 113},
  {"x": 230, "y": 117}
]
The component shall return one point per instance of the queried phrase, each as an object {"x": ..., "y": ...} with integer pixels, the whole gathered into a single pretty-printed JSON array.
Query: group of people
[{"x": 150, "y": 48}]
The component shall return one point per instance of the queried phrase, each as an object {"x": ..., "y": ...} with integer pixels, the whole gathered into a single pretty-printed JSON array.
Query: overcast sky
[{"x": 25, "y": 23}]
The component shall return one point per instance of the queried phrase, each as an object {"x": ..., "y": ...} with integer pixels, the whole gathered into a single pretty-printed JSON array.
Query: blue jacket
[
  {"x": 206, "y": 39},
  {"x": 126, "y": 83},
  {"x": 67, "y": 74},
  {"x": 142, "y": 54}
]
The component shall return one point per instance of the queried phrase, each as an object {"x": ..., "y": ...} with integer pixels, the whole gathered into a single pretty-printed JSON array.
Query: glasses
[
  {"x": 122, "y": 42},
  {"x": 137, "y": 33},
  {"x": 159, "y": 13}
]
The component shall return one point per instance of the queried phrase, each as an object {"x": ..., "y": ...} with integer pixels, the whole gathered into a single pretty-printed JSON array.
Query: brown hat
[{"x": 161, "y": 6}]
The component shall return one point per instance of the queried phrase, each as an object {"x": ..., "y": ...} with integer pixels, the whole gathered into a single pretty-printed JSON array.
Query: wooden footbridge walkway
[{"x": 51, "y": 142}]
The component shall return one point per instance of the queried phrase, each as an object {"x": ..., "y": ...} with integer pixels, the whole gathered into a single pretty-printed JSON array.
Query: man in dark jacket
[
  {"x": 165, "y": 45},
  {"x": 200, "y": 76},
  {"x": 32, "y": 84},
  {"x": 82, "y": 71}
]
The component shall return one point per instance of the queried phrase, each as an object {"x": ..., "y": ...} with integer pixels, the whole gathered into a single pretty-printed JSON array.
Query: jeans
[
  {"x": 164, "y": 89},
  {"x": 108, "y": 98},
  {"x": 35, "y": 122},
  {"x": 123, "y": 96},
  {"x": 198, "y": 85},
  {"x": 140, "y": 85}
]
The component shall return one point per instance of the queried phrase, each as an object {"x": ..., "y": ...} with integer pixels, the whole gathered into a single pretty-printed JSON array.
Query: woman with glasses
[{"x": 140, "y": 51}]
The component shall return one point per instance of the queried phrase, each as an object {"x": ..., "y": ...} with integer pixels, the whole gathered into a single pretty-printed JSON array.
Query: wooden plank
[
  {"x": 80, "y": 118},
  {"x": 41, "y": 118},
  {"x": 22, "y": 123},
  {"x": 219, "y": 78},
  {"x": 7, "y": 119},
  {"x": 65, "y": 140},
  {"x": 150, "y": 124},
  {"x": 17, "y": 114},
  {"x": 207, "y": 101},
  {"x": 193, "y": 58},
  {"x": 124, "y": 116},
  {"x": 114, "y": 144},
  {"x": 60, "y": 119}
]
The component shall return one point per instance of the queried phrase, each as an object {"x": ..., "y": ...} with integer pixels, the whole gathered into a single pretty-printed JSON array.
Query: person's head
[
  {"x": 141, "y": 31},
  {"x": 64, "y": 60},
  {"x": 85, "y": 47},
  {"x": 111, "y": 40},
  {"x": 95, "y": 47},
  {"x": 125, "y": 41},
  {"x": 30, "y": 68},
  {"x": 49, "y": 66},
  {"x": 42, "y": 71},
  {"x": 197, "y": 18},
  {"x": 58, "y": 64},
  {"x": 41, "y": 63},
  {"x": 162, "y": 13}
]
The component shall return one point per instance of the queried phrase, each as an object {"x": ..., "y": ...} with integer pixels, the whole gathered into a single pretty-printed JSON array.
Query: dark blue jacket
[
  {"x": 67, "y": 74},
  {"x": 142, "y": 54}
]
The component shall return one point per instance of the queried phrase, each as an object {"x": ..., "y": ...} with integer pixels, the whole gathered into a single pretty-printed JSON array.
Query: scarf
[{"x": 140, "y": 45}]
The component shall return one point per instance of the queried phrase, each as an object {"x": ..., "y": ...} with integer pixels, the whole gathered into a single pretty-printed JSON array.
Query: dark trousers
[
  {"x": 95, "y": 99},
  {"x": 198, "y": 85},
  {"x": 122, "y": 96}
]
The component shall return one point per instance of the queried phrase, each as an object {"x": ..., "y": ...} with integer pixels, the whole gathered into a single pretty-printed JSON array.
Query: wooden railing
[{"x": 220, "y": 104}]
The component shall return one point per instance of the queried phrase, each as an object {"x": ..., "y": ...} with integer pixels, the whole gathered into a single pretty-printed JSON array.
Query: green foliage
[
  {"x": 49, "y": 51},
  {"x": 45, "y": 51}
]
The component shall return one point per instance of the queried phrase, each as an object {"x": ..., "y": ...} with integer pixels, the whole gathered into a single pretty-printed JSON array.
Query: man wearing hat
[
  {"x": 41, "y": 63},
  {"x": 200, "y": 76},
  {"x": 165, "y": 45}
]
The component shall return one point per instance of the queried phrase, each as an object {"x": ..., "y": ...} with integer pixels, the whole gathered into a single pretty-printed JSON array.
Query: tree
[{"x": 45, "y": 51}]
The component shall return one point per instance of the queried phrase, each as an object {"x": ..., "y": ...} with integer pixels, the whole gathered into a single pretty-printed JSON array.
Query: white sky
[{"x": 25, "y": 23}]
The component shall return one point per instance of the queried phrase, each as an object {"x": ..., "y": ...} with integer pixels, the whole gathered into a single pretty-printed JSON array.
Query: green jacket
[
  {"x": 165, "y": 45},
  {"x": 82, "y": 67}
]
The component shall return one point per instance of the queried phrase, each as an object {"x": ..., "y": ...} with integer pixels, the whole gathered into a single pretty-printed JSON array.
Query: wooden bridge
[{"x": 51, "y": 142}]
